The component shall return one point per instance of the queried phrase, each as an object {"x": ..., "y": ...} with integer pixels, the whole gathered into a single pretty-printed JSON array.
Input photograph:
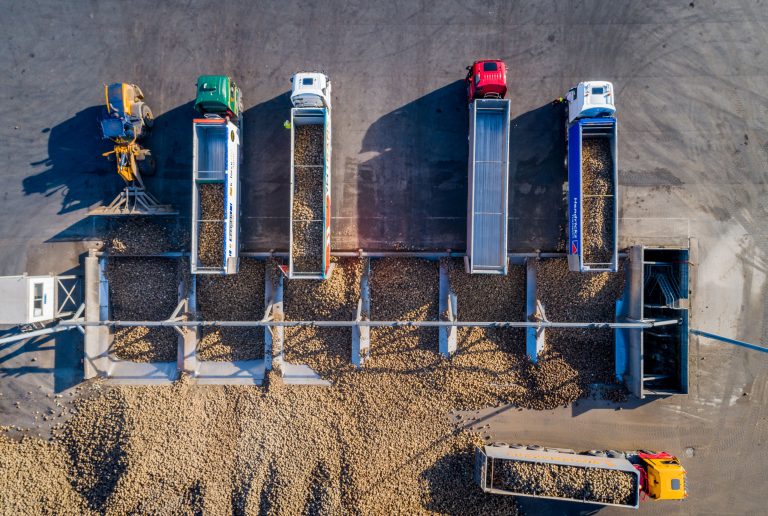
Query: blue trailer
[{"x": 592, "y": 244}]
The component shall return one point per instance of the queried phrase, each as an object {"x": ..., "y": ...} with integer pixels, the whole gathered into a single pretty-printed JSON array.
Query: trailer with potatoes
[
  {"x": 216, "y": 157},
  {"x": 310, "y": 213},
  {"x": 612, "y": 478},
  {"x": 591, "y": 159}
]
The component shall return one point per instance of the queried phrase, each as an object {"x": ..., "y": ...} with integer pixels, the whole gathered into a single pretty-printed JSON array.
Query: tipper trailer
[
  {"x": 592, "y": 178},
  {"x": 613, "y": 478},
  {"x": 310, "y": 214},
  {"x": 488, "y": 180},
  {"x": 216, "y": 156}
]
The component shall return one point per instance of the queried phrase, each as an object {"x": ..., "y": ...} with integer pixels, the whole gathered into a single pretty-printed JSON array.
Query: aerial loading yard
[{"x": 656, "y": 282}]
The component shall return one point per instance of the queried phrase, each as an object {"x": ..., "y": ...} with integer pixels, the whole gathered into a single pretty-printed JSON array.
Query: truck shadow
[
  {"x": 536, "y": 179},
  {"x": 74, "y": 170},
  {"x": 265, "y": 178},
  {"x": 411, "y": 188},
  {"x": 171, "y": 144}
]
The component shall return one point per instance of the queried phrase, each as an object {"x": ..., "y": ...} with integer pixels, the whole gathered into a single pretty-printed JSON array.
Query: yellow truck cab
[{"x": 665, "y": 477}]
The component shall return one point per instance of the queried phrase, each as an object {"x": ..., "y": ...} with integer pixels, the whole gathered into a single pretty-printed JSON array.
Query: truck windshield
[
  {"x": 598, "y": 91},
  {"x": 307, "y": 81},
  {"x": 490, "y": 67}
]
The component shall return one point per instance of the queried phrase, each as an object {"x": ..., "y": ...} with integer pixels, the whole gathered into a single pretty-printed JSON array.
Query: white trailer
[
  {"x": 310, "y": 226},
  {"x": 216, "y": 165}
]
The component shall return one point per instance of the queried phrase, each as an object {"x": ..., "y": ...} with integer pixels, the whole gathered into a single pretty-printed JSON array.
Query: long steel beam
[{"x": 378, "y": 324}]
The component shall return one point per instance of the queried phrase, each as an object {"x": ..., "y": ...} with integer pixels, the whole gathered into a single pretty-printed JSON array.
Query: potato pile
[
  {"x": 308, "y": 228},
  {"x": 143, "y": 289},
  {"x": 234, "y": 297},
  {"x": 404, "y": 289},
  {"x": 327, "y": 350},
  {"x": 144, "y": 236},
  {"x": 585, "y": 356},
  {"x": 591, "y": 484},
  {"x": 377, "y": 444},
  {"x": 211, "y": 230},
  {"x": 308, "y": 194},
  {"x": 308, "y": 145},
  {"x": 597, "y": 180},
  {"x": 376, "y": 441}
]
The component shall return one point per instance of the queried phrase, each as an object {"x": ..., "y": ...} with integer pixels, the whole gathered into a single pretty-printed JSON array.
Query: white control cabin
[{"x": 27, "y": 299}]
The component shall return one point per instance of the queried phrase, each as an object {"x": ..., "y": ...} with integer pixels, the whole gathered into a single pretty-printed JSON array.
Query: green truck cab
[{"x": 218, "y": 95}]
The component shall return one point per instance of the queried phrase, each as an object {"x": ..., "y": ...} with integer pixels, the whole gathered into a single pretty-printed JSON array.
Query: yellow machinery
[
  {"x": 127, "y": 119},
  {"x": 653, "y": 475},
  {"x": 664, "y": 476}
]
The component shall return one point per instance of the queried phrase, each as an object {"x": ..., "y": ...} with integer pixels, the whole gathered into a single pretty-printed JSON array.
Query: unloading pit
[
  {"x": 143, "y": 289},
  {"x": 404, "y": 289},
  {"x": 236, "y": 297},
  {"x": 403, "y": 313},
  {"x": 325, "y": 350}
]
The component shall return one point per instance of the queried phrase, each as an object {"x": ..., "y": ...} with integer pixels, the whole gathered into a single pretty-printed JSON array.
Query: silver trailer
[
  {"x": 490, "y": 462},
  {"x": 488, "y": 186},
  {"x": 216, "y": 165}
]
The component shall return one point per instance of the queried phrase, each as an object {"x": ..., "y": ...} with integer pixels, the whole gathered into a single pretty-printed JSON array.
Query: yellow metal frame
[{"x": 131, "y": 150}]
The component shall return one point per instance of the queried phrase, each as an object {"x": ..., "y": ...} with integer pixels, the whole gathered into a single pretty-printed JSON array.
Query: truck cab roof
[
  {"x": 311, "y": 89},
  {"x": 666, "y": 478},
  {"x": 217, "y": 94},
  {"x": 487, "y": 78},
  {"x": 591, "y": 99}
]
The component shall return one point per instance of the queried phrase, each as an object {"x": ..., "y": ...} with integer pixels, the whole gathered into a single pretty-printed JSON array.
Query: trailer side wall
[{"x": 489, "y": 128}]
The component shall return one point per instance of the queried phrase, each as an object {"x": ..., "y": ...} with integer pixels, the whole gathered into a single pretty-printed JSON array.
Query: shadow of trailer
[{"x": 654, "y": 361}]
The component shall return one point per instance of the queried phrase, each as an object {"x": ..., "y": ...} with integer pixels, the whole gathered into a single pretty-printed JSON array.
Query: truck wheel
[
  {"x": 147, "y": 166},
  {"x": 500, "y": 445},
  {"x": 147, "y": 116},
  {"x": 597, "y": 453},
  {"x": 616, "y": 454},
  {"x": 517, "y": 446},
  {"x": 535, "y": 447}
]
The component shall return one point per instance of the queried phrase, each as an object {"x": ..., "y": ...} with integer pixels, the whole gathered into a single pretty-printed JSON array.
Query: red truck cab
[{"x": 487, "y": 79}]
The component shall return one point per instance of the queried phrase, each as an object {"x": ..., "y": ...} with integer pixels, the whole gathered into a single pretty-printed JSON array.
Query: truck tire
[
  {"x": 147, "y": 116},
  {"x": 535, "y": 447},
  {"x": 616, "y": 454},
  {"x": 597, "y": 453},
  {"x": 147, "y": 165},
  {"x": 500, "y": 445},
  {"x": 517, "y": 446}
]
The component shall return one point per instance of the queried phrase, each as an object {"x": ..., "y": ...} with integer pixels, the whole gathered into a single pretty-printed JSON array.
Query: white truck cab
[
  {"x": 590, "y": 99},
  {"x": 311, "y": 89}
]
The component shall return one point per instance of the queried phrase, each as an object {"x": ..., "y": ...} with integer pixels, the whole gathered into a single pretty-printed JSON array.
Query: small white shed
[{"x": 27, "y": 299}]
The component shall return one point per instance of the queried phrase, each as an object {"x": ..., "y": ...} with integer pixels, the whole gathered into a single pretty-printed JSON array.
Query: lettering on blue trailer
[{"x": 574, "y": 189}]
